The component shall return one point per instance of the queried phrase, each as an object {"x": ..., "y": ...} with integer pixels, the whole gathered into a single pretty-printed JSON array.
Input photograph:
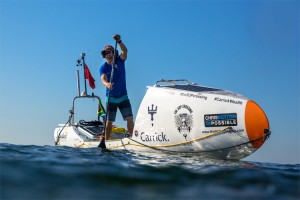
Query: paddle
[{"x": 102, "y": 143}]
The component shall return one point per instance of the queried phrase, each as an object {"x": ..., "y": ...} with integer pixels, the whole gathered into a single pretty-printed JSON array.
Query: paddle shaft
[{"x": 102, "y": 143}]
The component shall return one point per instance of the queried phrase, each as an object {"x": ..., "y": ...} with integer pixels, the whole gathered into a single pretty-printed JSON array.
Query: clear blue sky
[{"x": 249, "y": 47}]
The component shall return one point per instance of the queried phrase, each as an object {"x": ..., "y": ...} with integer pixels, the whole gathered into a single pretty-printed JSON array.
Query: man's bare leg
[{"x": 130, "y": 125}]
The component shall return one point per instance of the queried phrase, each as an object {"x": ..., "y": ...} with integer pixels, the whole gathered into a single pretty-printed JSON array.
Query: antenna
[{"x": 81, "y": 62}]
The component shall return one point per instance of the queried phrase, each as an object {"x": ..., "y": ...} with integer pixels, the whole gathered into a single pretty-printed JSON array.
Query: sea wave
[{"x": 49, "y": 172}]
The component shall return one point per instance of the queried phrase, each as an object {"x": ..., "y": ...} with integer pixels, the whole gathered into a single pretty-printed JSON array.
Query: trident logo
[{"x": 152, "y": 112}]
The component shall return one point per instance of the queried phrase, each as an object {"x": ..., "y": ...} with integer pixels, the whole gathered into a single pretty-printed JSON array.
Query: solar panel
[{"x": 194, "y": 88}]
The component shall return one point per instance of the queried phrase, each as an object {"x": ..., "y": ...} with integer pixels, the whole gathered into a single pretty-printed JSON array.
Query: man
[{"x": 118, "y": 97}]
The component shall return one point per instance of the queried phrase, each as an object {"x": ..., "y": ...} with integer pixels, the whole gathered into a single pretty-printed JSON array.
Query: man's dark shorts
[{"x": 125, "y": 109}]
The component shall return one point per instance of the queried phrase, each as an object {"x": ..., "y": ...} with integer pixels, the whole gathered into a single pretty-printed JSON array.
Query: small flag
[
  {"x": 101, "y": 111},
  {"x": 88, "y": 76}
]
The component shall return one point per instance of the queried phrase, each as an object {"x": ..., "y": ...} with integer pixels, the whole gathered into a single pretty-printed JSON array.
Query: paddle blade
[{"x": 102, "y": 144}]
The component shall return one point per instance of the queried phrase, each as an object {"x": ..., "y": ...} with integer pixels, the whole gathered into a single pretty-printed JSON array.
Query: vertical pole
[
  {"x": 78, "y": 82},
  {"x": 83, "y": 62}
]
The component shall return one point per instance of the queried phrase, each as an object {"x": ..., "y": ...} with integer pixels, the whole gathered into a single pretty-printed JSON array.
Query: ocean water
[{"x": 49, "y": 172}]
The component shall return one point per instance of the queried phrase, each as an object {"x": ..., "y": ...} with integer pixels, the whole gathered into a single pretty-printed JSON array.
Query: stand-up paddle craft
[{"x": 179, "y": 116}]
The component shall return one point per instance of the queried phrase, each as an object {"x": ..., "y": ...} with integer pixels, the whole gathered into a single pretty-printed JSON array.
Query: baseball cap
[{"x": 106, "y": 48}]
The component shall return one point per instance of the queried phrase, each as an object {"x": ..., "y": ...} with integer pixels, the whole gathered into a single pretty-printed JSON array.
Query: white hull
[
  {"x": 72, "y": 138},
  {"x": 186, "y": 119}
]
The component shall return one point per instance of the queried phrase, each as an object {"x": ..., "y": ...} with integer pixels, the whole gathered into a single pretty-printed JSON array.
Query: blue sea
[{"x": 49, "y": 172}]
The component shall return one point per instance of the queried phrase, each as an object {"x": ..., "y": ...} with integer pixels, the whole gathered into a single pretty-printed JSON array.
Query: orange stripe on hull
[{"x": 256, "y": 122}]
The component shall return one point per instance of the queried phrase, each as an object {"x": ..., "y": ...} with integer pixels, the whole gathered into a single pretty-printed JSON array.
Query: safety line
[
  {"x": 159, "y": 147},
  {"x": 176, "y": 144}
]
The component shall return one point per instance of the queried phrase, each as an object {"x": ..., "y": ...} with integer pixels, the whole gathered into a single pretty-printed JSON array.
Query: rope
[
  {"x": 158, "y": 148},
  {"x": 186, "y": 142},
  {"x": 58, "y": 136},
  {"x": 201, "y": 138},
  {"x": 90, "y": 123}
]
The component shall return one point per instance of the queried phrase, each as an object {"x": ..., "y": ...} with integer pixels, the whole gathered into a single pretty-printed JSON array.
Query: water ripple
[{"x": 48, "y": 172}]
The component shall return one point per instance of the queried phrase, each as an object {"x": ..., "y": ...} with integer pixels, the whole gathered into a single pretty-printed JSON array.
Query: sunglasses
[{"x": 108, "y": 52}]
